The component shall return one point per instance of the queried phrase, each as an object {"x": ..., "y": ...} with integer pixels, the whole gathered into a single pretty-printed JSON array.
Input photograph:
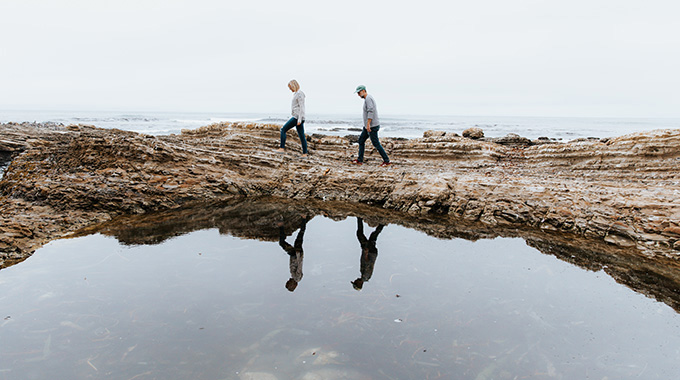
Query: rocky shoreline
[{"x": 620, "y": 193}]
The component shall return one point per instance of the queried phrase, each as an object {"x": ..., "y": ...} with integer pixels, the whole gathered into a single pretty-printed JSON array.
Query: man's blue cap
[{"x": 359, "y": 88}]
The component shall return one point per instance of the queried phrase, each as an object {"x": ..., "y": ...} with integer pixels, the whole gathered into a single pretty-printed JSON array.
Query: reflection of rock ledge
[
  {"x": 260, "y": 218},
  {"x": 623, "y": 191}
]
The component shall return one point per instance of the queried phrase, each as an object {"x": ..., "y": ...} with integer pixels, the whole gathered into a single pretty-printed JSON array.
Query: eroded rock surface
[{"x": 623, "y": 191}]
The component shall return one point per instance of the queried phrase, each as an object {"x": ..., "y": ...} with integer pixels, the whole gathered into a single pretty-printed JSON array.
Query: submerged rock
[
  {"x": 257, "y": 376},
  {"x": 334, "y": 374},
  {"x": 320, "y": 357}
]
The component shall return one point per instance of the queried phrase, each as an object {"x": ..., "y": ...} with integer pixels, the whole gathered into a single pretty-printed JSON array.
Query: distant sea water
[{"x": 408, "y": 126}]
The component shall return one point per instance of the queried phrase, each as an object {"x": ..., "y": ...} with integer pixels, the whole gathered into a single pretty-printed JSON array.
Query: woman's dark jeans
[
  {"x": 300, "y": 130},
  {"x": 373, "y": 134}
]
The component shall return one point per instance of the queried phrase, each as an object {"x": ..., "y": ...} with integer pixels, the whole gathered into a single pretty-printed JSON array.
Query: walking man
[
  {"x": 369, "y": 252},
  {"x": 371, "y": 127}
]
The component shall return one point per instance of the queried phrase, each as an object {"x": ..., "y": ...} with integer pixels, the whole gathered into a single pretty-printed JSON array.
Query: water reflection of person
[
  {"x": 295, "y": 253},
  {"x": 369, "y": 252}
]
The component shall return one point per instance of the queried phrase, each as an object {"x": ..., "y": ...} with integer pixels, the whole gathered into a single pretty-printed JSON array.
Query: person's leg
[
  {"x": 286, "y": 127},
  {"x": 374, "y": 235},
  {"x": 300, "y": 236},
  {"x": 301, "y": 134},
  {"x": 283, "y": 243},
  {"x": 376, "y": 144},
  {"x": 362, "y": 142},
  {"x": 360, "y": 232}
]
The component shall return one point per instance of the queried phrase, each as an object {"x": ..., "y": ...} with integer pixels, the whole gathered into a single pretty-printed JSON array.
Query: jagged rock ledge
[{"x": 622, "y": 191}]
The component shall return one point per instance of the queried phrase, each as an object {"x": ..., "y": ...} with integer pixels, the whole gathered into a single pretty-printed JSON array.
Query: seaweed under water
[{"x": 280, "y": 293}]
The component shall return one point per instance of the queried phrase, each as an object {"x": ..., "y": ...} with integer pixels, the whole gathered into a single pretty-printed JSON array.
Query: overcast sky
[{"x": 612, "y": 58}]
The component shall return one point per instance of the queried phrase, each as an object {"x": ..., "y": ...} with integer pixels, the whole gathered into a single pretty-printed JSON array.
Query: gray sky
[{"x": 485, "y": 57}]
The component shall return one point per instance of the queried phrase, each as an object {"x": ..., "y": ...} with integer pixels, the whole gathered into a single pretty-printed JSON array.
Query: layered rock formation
[{"x": 621, "y": 192}]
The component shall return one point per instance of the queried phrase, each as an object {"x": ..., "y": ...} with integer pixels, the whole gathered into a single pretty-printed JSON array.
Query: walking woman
[{"x": 298, "y": 119}]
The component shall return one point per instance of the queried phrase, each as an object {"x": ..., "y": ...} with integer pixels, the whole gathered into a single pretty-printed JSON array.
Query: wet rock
[
  {"x": 513, "y": 140},
  {"x": 5, "y": 159},
  {"x": 353, "y": 139},
  {"x": 473, "y": 133},
  {"x": 543, "y": 140},
  {"x": 432, "y": 133}
]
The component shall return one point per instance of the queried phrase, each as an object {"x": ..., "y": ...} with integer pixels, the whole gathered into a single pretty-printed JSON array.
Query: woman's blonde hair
[{"x": 294, "y": 85}]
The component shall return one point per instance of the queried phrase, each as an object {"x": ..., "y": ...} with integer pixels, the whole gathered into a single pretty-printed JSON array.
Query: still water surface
[{"x": 207, "y": 305}]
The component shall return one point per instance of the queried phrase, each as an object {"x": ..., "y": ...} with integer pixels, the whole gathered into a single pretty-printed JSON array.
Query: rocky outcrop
[
  {"x": 622, "y": 191},
  {"x": 262, "y": 218},
  {"x": 474, "y": 133}
]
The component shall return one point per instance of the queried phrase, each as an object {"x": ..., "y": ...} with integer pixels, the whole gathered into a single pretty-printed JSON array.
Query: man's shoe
[
  {"x": 386, "y": 164},
  {"x": 357, "y": 162}
]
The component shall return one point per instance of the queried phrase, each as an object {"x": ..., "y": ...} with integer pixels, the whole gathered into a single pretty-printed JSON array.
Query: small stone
[
  {"x": 621, "y": 241},
  {"x": 473, "y": 133},
  {"x": 434, "y": 134}
]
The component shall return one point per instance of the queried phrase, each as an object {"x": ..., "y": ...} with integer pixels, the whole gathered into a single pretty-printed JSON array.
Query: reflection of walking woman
[
  {"x": 295, "y": 253},
  {"x": 298, "y": 119},
  {"x": 369, "y": 252}
]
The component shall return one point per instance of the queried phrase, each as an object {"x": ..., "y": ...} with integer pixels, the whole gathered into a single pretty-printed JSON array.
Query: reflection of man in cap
[
  {"x": 369, "y": 252},
  {"x": 295, "y": 253},
  {"x": 371, "y": 127}
]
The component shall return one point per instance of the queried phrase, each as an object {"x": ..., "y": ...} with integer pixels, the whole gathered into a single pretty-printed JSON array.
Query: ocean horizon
[{"x": 406, "y": 126}]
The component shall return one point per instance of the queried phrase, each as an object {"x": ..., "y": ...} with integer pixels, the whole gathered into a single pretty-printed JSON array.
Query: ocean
[{"x": 408, "y": 126}]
